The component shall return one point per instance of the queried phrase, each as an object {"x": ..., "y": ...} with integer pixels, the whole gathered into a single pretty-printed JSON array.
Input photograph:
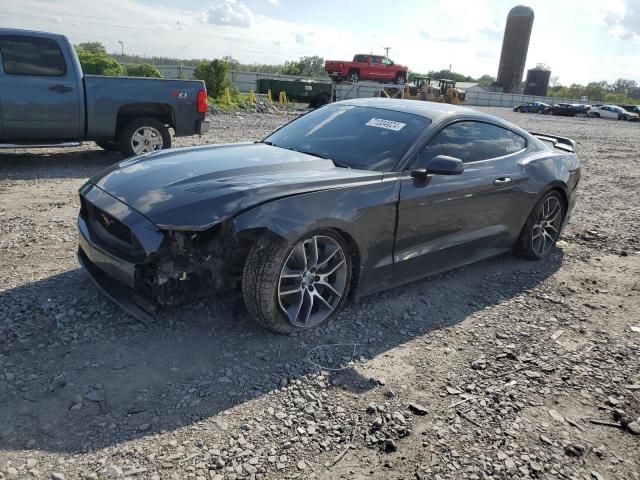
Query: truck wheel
[
  {"x": 108, "y": 145},
  {"x": 354, "y": 76},
  {"x": 144, "y": 135},
  {"x": 293, "y": 286},
  {"x": 400, "y": 80}
]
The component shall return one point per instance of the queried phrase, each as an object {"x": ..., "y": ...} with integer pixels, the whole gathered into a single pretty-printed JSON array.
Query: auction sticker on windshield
[{"x": 386, "y": 124}]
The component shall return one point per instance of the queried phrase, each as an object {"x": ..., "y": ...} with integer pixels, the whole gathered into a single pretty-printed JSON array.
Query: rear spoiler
[{"x": 562, "y": 143}]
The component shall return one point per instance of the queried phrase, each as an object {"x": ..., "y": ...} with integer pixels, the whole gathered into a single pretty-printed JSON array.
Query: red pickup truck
[{"x": 366, "y": 67}]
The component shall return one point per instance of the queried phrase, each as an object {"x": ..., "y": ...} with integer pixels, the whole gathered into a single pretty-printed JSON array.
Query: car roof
[{"x": 430, "y": 110}]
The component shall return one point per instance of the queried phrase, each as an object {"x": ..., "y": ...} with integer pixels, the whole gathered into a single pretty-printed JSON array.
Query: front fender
[{"x": 366, "y": 214}]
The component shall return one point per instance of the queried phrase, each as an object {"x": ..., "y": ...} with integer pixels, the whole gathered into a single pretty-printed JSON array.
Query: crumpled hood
[{"x": 197, "y": 187}]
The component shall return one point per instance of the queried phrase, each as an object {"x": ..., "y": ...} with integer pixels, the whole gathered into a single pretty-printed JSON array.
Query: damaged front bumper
[{"x": 141, "y": 267}]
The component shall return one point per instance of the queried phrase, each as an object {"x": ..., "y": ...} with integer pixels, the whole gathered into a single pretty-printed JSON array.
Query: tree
[
  {"x": 214, "y": 74},
  {"x": 143, "y": 70},
  {"x": 93, "y": 47},
  {"x": 487, "y": 80},
  {"x": 305, "y": 67},
  {"x": 623, "y": 86},
  {"x": 98, "y": 63}
]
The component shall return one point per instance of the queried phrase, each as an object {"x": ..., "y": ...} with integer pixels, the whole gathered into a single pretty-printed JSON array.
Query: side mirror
[{"x": 440, "y": 165}]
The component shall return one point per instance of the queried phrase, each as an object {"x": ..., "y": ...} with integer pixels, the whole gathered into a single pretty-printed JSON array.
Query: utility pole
[
  {"x": 121, "y": 47},
  {"x": 386, "y": 49}
]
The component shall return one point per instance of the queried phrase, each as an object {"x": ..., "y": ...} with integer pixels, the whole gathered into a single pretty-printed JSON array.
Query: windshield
[{"x": 356, "y": 137}]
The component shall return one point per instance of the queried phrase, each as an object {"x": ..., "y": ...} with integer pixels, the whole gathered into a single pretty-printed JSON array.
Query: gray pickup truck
[{"x": 46, "y": 100}]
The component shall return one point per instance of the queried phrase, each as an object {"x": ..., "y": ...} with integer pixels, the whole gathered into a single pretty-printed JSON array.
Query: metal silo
[
  {"x": 537, "y": 82},
  {"x": 514, "y": 48}
]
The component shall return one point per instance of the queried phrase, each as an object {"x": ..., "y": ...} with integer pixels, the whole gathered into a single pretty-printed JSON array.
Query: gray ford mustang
[{"x": 349, "y": 199}]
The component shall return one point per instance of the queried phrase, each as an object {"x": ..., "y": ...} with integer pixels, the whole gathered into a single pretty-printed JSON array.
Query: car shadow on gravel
[
  {"x": 45, "y": 164},
  {"x": 79, "y": 375}
]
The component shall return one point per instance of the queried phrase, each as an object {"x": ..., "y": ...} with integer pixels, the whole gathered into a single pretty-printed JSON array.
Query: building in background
[
  {"x": 515, "y": 46},
  {"x": 537, "y": 82}
]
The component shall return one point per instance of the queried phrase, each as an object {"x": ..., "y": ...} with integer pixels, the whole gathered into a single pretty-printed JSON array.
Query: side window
[
  {"x": 375, "y": 60},
  {"x": 31, "y": 56},
  {"x": 360, "y": 59},
  {"x": 472, "y": 142}
]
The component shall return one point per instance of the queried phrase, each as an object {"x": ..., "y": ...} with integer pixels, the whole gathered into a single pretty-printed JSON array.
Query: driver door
[{"x": 448, "y": 221}]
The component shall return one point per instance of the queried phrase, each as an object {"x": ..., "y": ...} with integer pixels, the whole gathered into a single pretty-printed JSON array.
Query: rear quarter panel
[{"x": 105, "y": 96}]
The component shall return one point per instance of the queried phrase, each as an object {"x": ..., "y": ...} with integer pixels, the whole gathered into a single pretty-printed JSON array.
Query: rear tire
[
  {"x": 542, "y": 229},
  {"x": 143, "y": 135},
  {"x": 269, "y": 275},
  {"x": 353, "y": 76}
]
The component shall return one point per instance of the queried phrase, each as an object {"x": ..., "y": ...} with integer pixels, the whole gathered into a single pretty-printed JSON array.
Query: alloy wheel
[
  {"x": 546, "y": 228},
  {"x": 146, "y": 139},
  {"x": 313, "y": 280}
]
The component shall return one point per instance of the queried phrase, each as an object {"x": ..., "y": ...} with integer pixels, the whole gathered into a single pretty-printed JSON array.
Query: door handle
[
  {"x": 499, "y": 182},
  {"x": 60, "y": 88}
]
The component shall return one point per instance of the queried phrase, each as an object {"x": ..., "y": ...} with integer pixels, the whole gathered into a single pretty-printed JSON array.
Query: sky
[{"x": 581, "y": 40}]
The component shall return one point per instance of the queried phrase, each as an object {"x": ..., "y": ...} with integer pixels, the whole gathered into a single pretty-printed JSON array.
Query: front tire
[
  {"x": 290, "y": 287},
  {"x": 542, "y": 229},
  {"x": 400, "y": 80},
  {"x": 144, "y": 135}
]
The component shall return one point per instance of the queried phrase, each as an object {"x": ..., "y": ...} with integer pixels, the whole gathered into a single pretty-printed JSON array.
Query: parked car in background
[
  {"x": 349, "y": 199},
  {"x": 632, "y": 108},
  {"x": 561, "y": 109},
  {"x": 46, "y": 100},
  {"x": 366, "y": 67},
  {"x": 533, "y": 107},
  {"x": 613, "y": 111},
  {"x": 581, "y": 108}
]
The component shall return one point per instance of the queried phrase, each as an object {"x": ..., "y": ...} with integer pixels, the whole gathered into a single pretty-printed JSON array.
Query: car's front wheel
[
  {"x": 540, "y": 234},
  {"x": 289, "y": 287}
]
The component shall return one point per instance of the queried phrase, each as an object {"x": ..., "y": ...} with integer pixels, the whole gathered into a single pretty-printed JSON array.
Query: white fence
[
  {"x": 494, "y": 99},
  {"x": 347, "y": 90},
  {"x": 176, "y": 71}
]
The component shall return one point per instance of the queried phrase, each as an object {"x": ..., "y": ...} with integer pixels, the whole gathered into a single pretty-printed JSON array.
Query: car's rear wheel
[
  {"x": 353, "y": 76},
  {"x": 289, "y": 287},
  {"x": 144, "y": 135},
  {"x": 540, "y": 233}
]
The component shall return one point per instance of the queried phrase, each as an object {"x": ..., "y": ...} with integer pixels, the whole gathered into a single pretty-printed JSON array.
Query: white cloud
[
  {"x": 230, "y": 13},
  {"x": 625, "y": 22},
  {"x": 453, "y": 38}
]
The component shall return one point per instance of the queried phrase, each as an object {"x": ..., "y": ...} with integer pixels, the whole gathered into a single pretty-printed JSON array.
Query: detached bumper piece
[{"x": 123, "y": 296}]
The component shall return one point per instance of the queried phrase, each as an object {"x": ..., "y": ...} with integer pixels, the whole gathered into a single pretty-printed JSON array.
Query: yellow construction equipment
[{"x": 445, "y": 92}]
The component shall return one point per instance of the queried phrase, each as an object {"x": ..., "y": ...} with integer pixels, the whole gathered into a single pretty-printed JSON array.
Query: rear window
[{"x": 31, "y": 56}]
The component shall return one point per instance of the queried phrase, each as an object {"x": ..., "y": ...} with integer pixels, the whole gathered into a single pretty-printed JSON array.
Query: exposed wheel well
[{"x": 160, "y": 111}]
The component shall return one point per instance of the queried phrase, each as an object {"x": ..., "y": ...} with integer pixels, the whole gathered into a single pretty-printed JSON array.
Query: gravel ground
[{"x": 506, "y": 369}]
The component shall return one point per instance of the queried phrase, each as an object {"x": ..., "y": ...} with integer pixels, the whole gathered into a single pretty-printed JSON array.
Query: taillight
[{"x": 202, "y": 101}]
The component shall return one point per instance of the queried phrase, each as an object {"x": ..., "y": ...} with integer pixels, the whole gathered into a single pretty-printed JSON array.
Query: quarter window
[
  {"x": 31, "y": 56},
  {"x": 472, "y": 142}
]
